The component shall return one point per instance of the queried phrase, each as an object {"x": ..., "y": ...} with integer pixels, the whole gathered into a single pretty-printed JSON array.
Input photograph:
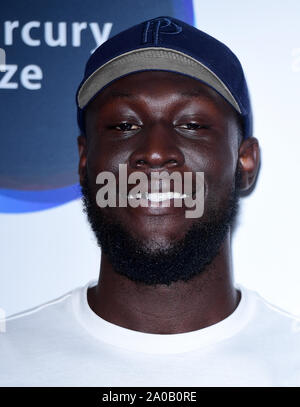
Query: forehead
[{"x": 166, "y": 86}]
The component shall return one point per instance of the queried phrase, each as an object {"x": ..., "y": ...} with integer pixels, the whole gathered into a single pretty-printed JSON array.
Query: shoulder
[
  {"x": 270, "y": 315},
  {"x": 274, "y": 314},
  {"x": 42, "y": 321},
  {"x": 272, "y": 330},
  {"x": 35, "y": 340},
  {"x": 39, "y": 312}
]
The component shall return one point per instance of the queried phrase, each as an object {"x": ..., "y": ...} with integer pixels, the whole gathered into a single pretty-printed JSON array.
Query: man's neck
[{"x": 181, "y": 307}]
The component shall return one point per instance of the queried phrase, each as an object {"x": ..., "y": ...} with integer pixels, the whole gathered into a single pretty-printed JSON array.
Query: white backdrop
[{"x": 47, "y": 253}]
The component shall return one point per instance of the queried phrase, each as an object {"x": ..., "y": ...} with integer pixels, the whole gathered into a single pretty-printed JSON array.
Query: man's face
[{"x": 161, "y": 121}]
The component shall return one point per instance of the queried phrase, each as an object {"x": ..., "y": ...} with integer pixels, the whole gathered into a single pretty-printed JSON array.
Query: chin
[{"x": 158, "y": 244}]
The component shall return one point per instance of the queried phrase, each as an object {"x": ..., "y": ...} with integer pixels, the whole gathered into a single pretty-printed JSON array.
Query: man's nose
[{"x": 157, "y": 148}]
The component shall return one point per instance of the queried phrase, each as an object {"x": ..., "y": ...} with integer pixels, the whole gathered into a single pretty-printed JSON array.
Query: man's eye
[
  {"x": 126, "y": 127},
  {"x": 192, "y": 126}
]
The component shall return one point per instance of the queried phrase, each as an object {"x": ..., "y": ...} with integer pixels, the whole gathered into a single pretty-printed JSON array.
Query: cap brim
[{"x": 150, "y": 59}]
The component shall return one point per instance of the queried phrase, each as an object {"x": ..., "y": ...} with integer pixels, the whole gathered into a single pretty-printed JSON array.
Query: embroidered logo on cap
[{"x": 159, "y": 26}]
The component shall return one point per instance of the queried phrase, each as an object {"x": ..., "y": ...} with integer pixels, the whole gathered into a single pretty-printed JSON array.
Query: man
[{"x": 161, "y": 96}]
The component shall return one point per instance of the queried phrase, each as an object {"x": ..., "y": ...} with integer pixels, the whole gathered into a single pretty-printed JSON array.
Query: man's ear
[
  {"x": 82, "y": 149},
  {"x": 249, "y": 159}
]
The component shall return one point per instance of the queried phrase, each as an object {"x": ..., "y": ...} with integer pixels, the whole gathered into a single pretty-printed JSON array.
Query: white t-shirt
[{"x": 64, "y": 343}]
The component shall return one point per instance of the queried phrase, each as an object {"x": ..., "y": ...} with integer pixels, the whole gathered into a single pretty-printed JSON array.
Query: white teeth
[
  {"x": 163, "y": 196},
  {"x": 158, "y": 196}
]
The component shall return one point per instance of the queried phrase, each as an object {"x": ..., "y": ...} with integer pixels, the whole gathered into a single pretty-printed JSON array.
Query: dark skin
[{"x": 174, "y": 123}]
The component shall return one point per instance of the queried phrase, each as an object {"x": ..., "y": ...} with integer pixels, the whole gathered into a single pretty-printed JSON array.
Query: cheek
[
  {"x": 104, "y": 156},
  {"x": 221, "y": 175},
  {"x": 218, "y": 162},
  {"x": 222, "y": 169}
]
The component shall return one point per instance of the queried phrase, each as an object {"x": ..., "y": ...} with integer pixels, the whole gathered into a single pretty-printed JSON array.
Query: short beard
[{"x": 181, "y": 261}]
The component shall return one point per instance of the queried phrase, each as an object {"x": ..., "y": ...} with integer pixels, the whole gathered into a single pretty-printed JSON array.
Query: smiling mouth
[{"x": 158, "y": 196}]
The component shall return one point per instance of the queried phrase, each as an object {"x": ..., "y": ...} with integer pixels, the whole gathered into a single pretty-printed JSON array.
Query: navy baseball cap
[{"x": 166, "y": 44}]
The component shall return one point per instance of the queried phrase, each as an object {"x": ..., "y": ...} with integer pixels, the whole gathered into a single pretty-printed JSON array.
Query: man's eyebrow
[
  {"x": 198, "y": 93},
  {"x": 118, "y": 94},
  {"x": 194, "y": 93}
]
